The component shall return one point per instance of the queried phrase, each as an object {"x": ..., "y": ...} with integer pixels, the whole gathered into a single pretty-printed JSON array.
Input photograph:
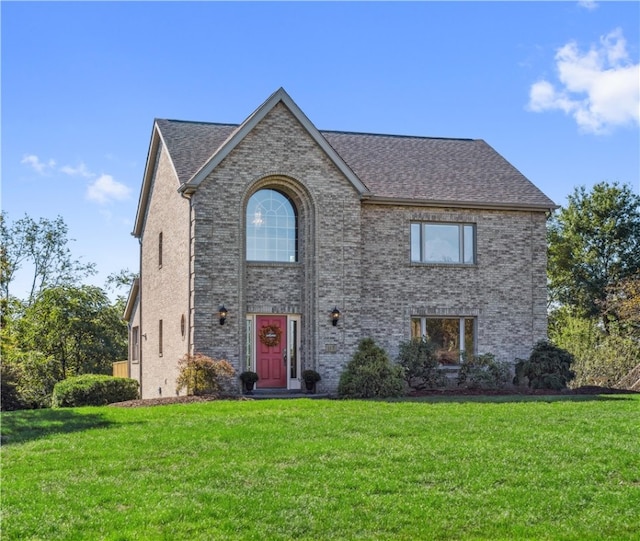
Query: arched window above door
[{"x": 271, "y": 227}]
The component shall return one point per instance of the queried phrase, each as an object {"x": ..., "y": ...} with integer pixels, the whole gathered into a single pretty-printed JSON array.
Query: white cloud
[
  {"x": 599, "y": 88},
  {"x": 105, "y": 190},
  {"x": 588, "y": 4},
  {"x": 34, "y": 162},
  {"x": 79, "y": 171}
]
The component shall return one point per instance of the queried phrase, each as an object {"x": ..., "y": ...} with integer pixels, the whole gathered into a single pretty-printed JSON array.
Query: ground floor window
[{"x": 453, "y": 336}]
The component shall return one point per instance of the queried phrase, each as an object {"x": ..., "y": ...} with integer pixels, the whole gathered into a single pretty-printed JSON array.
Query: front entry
[{"x": 271, "y": 351}]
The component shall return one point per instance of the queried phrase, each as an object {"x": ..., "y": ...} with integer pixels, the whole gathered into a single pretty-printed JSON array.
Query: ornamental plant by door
[
  {"x": 310, "y": 377},
  {"x": 249, "y": 379}
]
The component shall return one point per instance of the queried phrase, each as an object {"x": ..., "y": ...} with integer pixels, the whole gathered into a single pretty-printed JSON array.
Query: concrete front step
[{"x": 262, "y": 394}]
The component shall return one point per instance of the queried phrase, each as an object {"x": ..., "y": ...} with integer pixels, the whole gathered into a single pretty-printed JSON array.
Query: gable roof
[
  {"x": 391, "y": 169},
  {"x": 237, "y": 135}
]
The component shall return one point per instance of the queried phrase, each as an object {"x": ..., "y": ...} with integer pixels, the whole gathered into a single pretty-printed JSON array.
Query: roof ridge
[
  {"x": 230, "y": 124},
  {"x": 399, "y": 136}
]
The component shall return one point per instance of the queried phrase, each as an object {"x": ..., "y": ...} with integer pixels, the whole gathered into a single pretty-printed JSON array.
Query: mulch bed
[{"x": 586, "y": 390}]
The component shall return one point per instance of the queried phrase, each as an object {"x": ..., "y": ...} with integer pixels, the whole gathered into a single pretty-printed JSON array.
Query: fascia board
[
  {"x": 245, "y": 128},
  {"x": 131, "y": 300},
  {"x": 479, "y": 205},
  {"x": 145, "y": 191}
]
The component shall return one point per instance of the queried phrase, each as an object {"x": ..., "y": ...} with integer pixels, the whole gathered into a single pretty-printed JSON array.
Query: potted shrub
[
  {"x": 310, "y": 378},
  {"x": 249, "y": 379}
]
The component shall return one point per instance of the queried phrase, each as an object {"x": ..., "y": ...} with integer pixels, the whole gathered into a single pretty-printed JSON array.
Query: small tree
[
  {"x": 420, "y": 364},
  {"x": 370, "y": 374},
  {"x": 200, "y": 374},
  {"x": 548, "y": 367}
]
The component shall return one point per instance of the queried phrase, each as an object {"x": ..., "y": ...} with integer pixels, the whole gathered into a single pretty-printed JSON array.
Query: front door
[{"x": 271, "y": 351}]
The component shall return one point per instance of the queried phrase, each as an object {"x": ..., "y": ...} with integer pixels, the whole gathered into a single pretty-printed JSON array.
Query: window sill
[
  {"x": 274, "y": 264},
  {"x": 444, "y": 265}
]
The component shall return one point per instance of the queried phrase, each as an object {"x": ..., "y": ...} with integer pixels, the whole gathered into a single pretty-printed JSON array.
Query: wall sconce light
[
  {"x": 335, "y": 316},
  {"x": 223, "y": 314}
]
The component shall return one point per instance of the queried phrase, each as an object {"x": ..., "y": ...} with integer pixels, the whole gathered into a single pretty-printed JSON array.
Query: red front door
[{"x": 271, "y": 349}]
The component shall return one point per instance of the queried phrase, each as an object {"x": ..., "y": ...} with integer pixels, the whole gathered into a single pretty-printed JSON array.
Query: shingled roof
[{"x": 424, "y": 170}]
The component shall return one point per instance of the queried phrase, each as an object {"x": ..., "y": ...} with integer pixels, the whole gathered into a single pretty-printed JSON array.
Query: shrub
[
  {"x": 548, "y": 367},
  {"x": 311, "y": 376},
  {"x": 483, "y": 372},
  {"x": 203, "y": 375},
  {"x": 93, "y": 390},
  {"x": 370, "y": 374},
  {"x": 420, "y": 365},
  {"x": 9, "y": 396}
]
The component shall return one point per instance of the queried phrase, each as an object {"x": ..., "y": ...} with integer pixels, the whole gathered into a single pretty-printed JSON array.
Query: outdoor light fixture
[
  {"x": 335, "y": 316},
  {"x": 223, "y": 314}
]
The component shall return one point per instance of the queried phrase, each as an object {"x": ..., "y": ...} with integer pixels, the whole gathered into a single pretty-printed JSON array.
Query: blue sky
[{"x": 553, "y": 86}]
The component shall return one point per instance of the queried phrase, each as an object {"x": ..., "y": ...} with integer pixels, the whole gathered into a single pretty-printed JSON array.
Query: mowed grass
[{"x": 551, "y": 468}]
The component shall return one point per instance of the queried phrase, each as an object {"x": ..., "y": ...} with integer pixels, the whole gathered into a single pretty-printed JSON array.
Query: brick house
[{"x": 312, "y": 240}]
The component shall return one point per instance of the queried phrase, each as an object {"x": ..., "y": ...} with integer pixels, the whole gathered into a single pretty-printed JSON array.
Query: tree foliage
[
  {"x": 65, "y": 331},
  {"x": 602, "y": 357},
  {"x": 594, "y": 244},
  {"x": 43, "y": 246}
]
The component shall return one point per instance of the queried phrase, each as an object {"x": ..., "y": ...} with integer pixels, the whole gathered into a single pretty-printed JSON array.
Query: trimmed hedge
[{"x": 93, "y": 390}]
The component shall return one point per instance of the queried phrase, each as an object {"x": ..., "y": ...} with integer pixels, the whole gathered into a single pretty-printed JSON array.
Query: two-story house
[{"x": 278, "y": 247}]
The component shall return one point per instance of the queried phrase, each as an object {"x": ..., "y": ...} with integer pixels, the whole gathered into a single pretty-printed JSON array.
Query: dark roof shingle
[{"x": 394, "y": 167}]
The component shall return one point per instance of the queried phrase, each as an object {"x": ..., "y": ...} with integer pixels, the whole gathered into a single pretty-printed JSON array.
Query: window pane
[
  {"x": 415, "y": 242},
  {"x": 416, "y": 328},
  {"x": 469, "y": 336},
  {"x": 445, "y": 334},
  {"x": 442, "y": 243},
  {"x": 271, "y": 227},
  {"x": 469, "y": 248},
  {"x": 248, "y": 344}
]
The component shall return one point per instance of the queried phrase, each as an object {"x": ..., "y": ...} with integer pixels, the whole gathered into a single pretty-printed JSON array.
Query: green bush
[
  {"x": 9, "y": 395},
  {"x": 200, "y": 374},
  {"x": 370, "y": 374},
  {"x": 93, "y": 390},
  {"x": 421, "y": 368},
  {"x": 483, "y": 372},
  {"x": 548, "y": 367}
]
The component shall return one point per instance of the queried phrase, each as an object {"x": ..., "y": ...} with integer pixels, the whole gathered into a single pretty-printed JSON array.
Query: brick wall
[{"x": 164, "y": 289}]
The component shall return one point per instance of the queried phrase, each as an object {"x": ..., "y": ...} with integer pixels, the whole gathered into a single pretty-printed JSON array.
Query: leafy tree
[
  {"x": 43, "y": 246},
  {"x": 594, "y": 243},
  {"x": 601, "y": 357},
  {"x": 77, "y": 327}
]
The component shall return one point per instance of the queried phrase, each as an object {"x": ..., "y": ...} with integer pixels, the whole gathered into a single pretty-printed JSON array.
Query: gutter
[{"x": 399, "y": 201}]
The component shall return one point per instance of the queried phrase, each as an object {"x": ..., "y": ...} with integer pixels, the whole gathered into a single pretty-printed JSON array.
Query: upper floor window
[
  {"x": 271, "y": 227},
  {"x": 443, "y": 243},
  {"x": 160, "y": 249}
]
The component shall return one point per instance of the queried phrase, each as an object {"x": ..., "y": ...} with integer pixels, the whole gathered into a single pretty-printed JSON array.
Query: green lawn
[{"x": 503, "y": 468}]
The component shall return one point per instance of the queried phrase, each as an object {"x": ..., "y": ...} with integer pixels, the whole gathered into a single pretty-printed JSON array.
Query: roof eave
[
  {"x": 439, "y": 203},
  {"x": 147, "y": 178},
  {"x": 131, "y": 299}
]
